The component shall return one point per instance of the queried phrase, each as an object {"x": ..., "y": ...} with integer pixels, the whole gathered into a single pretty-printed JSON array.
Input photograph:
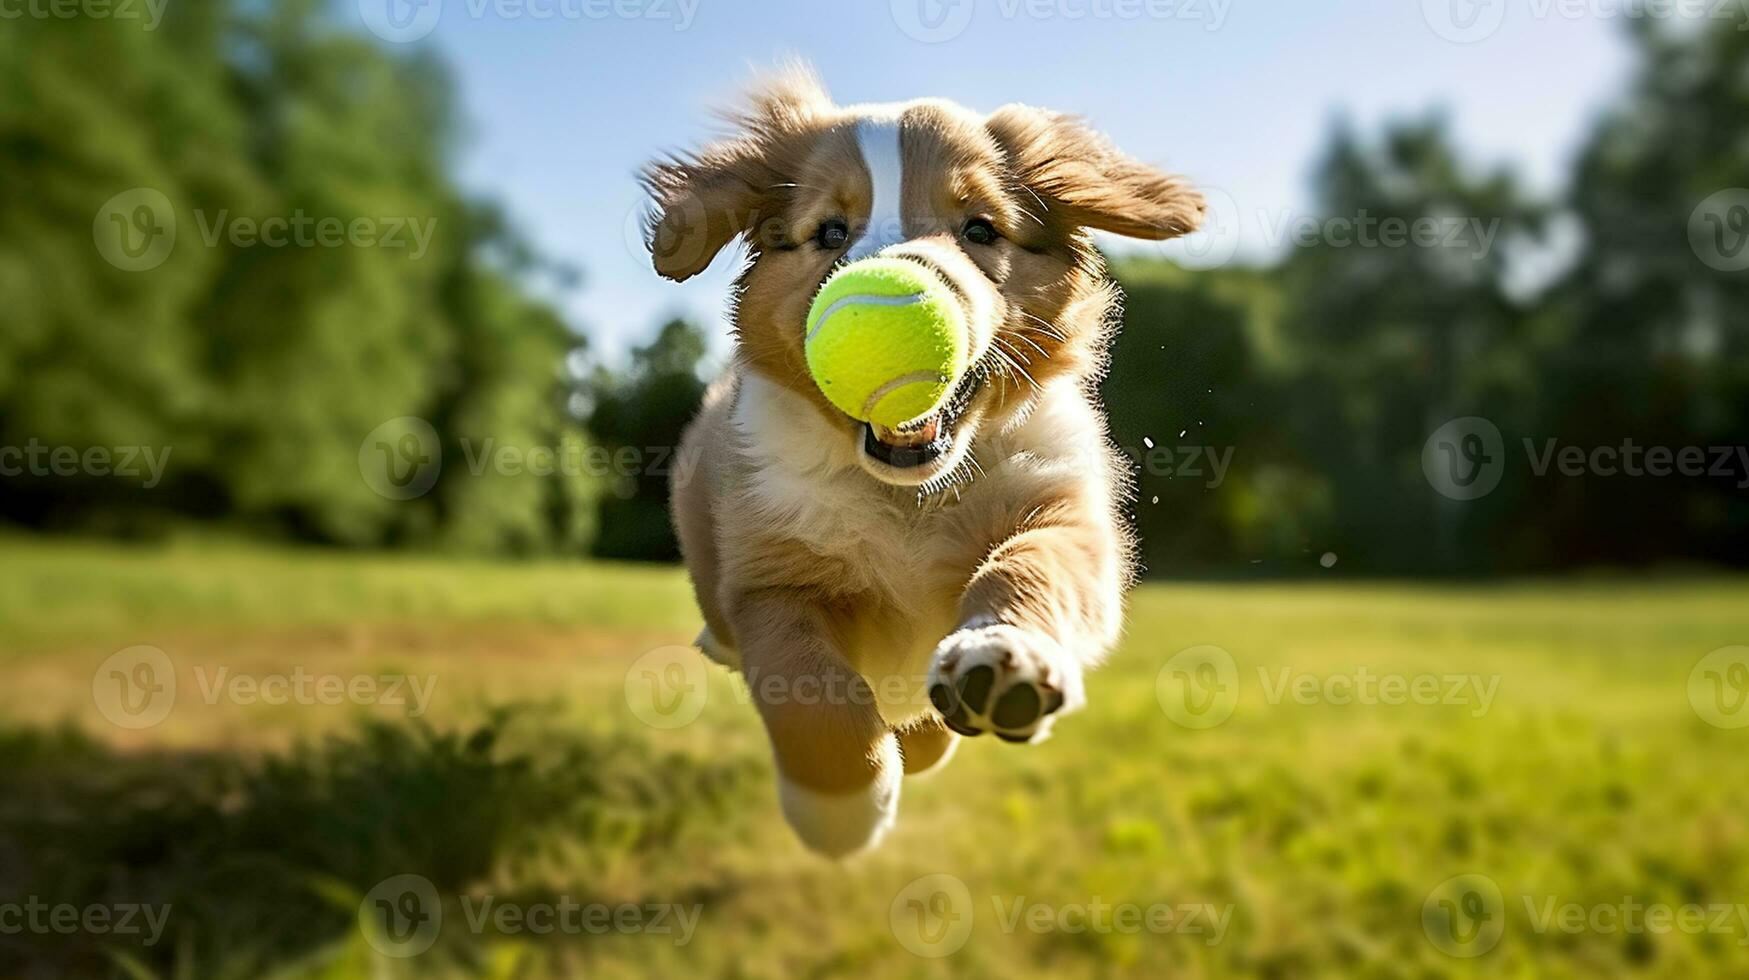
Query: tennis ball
[{"x": 886, "y": 340}]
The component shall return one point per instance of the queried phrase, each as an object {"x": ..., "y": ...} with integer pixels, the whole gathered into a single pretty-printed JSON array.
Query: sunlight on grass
[{"x": 1558, "y": 756}]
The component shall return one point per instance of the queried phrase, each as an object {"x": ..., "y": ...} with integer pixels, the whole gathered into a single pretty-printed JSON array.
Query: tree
[
  {"x": 262, "y": 362},
  {"x": 638, "y": 419}
]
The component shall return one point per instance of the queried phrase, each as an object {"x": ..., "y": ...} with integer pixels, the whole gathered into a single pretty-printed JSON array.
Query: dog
[{"x": 885, "y": 592}]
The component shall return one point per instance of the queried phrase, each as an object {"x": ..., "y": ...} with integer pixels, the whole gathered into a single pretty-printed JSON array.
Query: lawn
[{"x": 1327, "y": 778}]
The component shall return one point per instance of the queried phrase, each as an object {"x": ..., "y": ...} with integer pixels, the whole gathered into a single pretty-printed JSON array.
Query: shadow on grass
[{"x": 261, "y": 863}]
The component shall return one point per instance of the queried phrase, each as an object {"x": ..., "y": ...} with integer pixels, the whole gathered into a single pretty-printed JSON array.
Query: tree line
[{"x": 1441, "y": 373}]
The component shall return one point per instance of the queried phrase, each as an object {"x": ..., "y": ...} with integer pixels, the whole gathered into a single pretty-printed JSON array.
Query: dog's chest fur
[{"x": 900, "y": 565}]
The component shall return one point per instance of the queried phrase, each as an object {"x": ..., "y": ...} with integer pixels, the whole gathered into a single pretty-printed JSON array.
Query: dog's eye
[
  {"x": 979, "y": 231},
  {"x": 833, "y": 234}
]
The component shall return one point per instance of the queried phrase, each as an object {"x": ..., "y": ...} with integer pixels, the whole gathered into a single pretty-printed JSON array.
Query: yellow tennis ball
[{"x": 886, "y": 341}]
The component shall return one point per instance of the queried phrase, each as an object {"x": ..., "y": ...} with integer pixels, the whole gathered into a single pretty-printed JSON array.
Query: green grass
[{"x": 1319, "y": 830}]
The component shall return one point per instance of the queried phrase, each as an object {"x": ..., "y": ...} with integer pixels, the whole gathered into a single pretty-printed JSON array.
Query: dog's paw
[{"x": 1003, "y": 679}]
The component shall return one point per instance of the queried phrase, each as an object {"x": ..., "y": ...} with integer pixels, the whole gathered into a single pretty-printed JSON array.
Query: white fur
[
  {"x": 717, "y": 650},
  {"x": 839, "y": 825},
  {"x": 877, "y": 136},
  {"x": 805, "y": 476}
]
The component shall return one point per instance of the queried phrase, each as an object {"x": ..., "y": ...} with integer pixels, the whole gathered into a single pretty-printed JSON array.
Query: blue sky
[{"x": 564, "y": 99}]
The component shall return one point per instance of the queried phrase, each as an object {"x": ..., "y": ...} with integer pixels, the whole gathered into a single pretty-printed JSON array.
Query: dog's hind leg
[{"x": 926, "y": 745}]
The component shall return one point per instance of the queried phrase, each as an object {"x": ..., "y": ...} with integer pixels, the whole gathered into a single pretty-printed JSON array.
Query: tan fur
[{"x": 841, "y": 590}]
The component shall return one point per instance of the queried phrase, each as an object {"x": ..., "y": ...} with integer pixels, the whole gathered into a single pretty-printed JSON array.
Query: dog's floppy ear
[
  {"x": 702, "y": 200},
  {"x": 1085, "y": 181}
]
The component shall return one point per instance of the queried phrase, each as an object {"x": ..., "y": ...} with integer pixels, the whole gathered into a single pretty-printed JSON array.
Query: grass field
[{"x": 1545, "y": 741}]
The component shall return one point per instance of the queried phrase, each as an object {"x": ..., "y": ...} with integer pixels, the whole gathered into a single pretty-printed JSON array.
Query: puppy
[{"x": 884, "y": 592}]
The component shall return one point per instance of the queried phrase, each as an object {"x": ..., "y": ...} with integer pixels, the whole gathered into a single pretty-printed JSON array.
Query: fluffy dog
[{"x": 886, "y": 591}]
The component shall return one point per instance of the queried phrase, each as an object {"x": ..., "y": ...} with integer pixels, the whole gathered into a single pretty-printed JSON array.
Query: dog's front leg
[
  {"x": 838, "y": 762},
  {"x": 1044, "y": 605}
]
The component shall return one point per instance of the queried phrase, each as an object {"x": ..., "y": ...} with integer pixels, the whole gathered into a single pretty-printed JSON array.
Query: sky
[{"x": 564, "y": 99}]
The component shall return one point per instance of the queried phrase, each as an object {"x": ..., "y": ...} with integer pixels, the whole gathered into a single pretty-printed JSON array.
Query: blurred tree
[
  {"x": 1192, "y": 406},
  {"x": 637, "y": 418},
  {"x": 1653, "y": 322},
  {"x": 1320, "y": 379},
  {"x": 1397, "y": 317},
  {"x": 262, "y": 364}
]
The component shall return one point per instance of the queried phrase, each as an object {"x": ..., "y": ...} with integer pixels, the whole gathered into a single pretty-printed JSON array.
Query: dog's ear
[
  {"x": 1085, "y": 181},
  {"x": 701, "y": 201}
]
